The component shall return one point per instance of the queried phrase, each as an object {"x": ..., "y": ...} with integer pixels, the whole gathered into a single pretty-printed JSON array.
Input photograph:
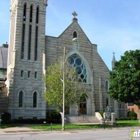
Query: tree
[
  {"x": 125, "y": 78},
  {"x": 54, "y": 85}
]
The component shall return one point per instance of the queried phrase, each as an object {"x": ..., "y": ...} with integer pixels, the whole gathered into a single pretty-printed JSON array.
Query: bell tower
[{"x": 26, "y": 59}]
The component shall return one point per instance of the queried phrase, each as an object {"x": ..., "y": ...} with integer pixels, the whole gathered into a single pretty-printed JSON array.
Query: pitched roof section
[
  {"x": 3, "y": 56},
  {"x": 74, "y": 26}
]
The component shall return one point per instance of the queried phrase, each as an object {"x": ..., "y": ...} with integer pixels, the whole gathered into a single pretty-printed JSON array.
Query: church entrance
[
  {"x": 83, "y": 105},
  {"x": 83, "y": 109}
]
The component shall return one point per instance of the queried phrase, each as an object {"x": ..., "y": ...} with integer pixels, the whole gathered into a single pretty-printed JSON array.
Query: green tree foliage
[
  {"x": 125, "y": 78},
  {"x": 54, "y": 85}
]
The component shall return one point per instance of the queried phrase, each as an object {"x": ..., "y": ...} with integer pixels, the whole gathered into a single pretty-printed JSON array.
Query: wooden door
[{"x": 83, "y": 108}]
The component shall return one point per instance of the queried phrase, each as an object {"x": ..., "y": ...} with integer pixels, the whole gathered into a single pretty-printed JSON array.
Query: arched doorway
[{"x": 83, "y": 105}]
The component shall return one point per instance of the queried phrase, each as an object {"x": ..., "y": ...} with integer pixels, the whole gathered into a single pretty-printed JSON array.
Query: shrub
[
  {"x": 132, "y": 115},
  {"x": 53, "y": 117},
  {"x": 6, "y": 118},
  {"x": 27, "y": 121},
  {"x": 127, "y": 118}
]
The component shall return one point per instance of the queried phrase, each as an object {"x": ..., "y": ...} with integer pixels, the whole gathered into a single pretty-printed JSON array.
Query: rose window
[{"x": 76, "y": 61}]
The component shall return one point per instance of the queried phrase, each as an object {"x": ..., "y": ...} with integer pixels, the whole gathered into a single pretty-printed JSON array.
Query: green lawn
[
  {"x": 88, "y": 126},
  {"x": 122, "y": 123},
  {"x": 125, "y": 123},
  {"x": 3, "y": 126},
  {"x": 67, "y": 126}
]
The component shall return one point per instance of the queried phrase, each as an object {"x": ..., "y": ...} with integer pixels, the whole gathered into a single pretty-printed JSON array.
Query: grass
[
  {"x": 122, "y": 123},
  {"x": 125, "y": 123},
  {"x": 3, "y": 126},
  {"x": 68, "y": 126}
]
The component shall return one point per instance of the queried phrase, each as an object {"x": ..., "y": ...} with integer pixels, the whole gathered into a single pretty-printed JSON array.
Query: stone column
[{"x": 113, "y": 118}]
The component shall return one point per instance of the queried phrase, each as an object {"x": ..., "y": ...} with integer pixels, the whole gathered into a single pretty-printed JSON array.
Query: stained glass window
[{"x": 76, "y": 61}]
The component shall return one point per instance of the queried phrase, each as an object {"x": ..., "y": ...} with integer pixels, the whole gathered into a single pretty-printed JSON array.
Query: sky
[{"x": 114, "y": 25}]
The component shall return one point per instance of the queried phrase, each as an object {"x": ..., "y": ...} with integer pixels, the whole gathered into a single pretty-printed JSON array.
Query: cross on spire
[{"x": 74, "y": 14}]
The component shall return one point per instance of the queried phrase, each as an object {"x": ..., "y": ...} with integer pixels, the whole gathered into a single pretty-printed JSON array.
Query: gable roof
[
  {"x": 3, "y": 56},
  {"x": 76, "y": 26}
]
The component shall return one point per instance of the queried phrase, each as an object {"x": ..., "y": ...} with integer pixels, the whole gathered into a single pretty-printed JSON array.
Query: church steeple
[
  {"x": 113, "y": 61},
  {"x": 26, "y": 59}
]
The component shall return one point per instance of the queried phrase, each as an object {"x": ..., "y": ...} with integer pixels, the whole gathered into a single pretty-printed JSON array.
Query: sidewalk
[
  {"x": 26, "y": 130},
  {"x": 19, "y": 130}
]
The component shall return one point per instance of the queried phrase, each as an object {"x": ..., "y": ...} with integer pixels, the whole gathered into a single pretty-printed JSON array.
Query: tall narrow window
[
  {"x": 20, "y": 99},
  {"x": 24, "y": 12},
  {"x": 21, "y": 73},
  {"x": 31, "y": 13},
  {"x": 29, "y": 74},
  {"x": 36, "y": 42},
  {"x": 74, "y": 34},
  {"x": 23, "y": 41},
  {"x": 23, "y": 32},
  {"x": 35, "y": 99},
  {"x": 29, "y": 43},
  {"x": 106, "y": 86},
  {"x": 35, "y": 74},
  {"x": 30, "y": 32},
  {"x": 37, "y": 15},
  {"x": 36, "y": 34}
]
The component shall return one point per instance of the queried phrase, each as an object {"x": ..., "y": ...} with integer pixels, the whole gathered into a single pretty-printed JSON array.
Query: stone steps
[{"x": 81, "y": 119}]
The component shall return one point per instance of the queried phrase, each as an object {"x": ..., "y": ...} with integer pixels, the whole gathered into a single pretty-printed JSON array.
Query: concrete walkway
[
  {"x": 26, "y": 130},
  {"x": 15, "y": 130}
]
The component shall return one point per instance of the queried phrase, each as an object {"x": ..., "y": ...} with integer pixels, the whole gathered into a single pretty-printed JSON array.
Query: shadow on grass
[{"x": 3, "y": 126}]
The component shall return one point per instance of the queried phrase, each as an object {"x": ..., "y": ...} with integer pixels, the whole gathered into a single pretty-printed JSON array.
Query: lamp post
[{"x": 63, "y": 80}]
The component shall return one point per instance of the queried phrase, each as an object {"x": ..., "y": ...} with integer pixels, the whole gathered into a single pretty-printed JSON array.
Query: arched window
[
  {"x": 74, "y": 34},
  {"x": 24, "y": 12},
  {"x": 23, "y": 31},
  {"x": 20, "y": 101},
  {"x": 36, "y": 33},
  {"x": 76, "y": 61},
  {"x": 30, "y": 32},
  {"x": 106, "y": 86},
  {"x": 37, "y": 15},
  {"x": 35, "y": 99}
]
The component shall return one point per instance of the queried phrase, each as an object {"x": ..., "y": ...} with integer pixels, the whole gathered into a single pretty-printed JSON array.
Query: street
[{"x": 98, "y": 134}]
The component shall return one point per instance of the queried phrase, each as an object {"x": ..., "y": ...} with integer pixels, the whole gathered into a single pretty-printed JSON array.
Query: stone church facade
[{"x": 30, "y": 52}]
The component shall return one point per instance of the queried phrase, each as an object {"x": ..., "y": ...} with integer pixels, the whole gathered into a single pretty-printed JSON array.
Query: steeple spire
[{"x": 113, "y": 61}]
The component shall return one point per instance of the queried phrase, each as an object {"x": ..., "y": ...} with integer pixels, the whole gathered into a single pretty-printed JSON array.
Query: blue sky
[{"x": 114, "y": 25}]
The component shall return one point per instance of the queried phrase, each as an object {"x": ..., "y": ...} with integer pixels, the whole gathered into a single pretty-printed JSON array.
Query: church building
[{"x": 30, "y": 52}]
